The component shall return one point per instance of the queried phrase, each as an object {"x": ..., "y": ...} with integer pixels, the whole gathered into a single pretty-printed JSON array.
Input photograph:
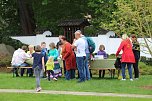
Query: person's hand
[{"x": 43, "y": 68}]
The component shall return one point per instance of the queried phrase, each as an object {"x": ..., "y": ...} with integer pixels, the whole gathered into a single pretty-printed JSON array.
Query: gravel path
[{"x": 74, "y": 93}]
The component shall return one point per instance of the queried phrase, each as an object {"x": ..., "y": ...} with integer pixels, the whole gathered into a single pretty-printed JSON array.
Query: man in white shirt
[
  {"x": 79, "y": 47},
  {"x": 19, "y": 58},
  {"x": 86, "y": 63}
]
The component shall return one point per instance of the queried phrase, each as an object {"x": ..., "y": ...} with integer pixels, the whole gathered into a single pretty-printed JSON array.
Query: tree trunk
[{"x": 26, "y": 17}]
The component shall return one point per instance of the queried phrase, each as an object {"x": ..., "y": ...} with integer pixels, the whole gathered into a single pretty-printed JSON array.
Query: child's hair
[
  {"x": 52, "y": 45},
  {"x": 42, "y": 43},
  {"x": 38, "y": 48},
  {"x": 30, "y": 46},
  {"x": 101, "y": 47},
  {"x": 51, "y": 58}
]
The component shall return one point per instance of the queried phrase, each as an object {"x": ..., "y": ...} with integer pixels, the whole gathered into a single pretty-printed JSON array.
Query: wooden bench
[{"x": 13, "y": 71}]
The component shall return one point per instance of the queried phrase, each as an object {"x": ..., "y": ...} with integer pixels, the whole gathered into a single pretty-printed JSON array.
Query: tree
[
  {"x": 9, "y": 20},
  {"x": 101, "y": 11},
  {"x": 48, "y": 13},
  {"x": 134, "y": 16},
  {"x": 127, "y": 16},
  {"x": 26, "y": 16}
]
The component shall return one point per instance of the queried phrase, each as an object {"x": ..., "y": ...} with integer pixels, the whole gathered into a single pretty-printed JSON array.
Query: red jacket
[
  {"x": 69, "y": 56},
  {"x": 127, "y": 55}
]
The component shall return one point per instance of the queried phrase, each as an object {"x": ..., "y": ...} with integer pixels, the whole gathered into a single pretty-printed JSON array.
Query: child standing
[
  {"x": 38, "y": 65},
  {"x": 44, "y": 52},
  {"x": 50, "y": 67},
  {"x": 54, "y": 53}
]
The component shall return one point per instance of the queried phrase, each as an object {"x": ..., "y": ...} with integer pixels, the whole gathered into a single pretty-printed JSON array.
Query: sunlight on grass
[
  {"x": 48, "y": 97},
  {"x": 95, "y": 85}
]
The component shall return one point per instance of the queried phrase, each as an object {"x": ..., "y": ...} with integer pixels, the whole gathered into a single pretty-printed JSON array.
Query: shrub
[
  {"x": 147, "y": 61},
  {"x": 12, "y": 42},
  {"x": 5, "y": 60},
  {"x": 145, "y": 69}
]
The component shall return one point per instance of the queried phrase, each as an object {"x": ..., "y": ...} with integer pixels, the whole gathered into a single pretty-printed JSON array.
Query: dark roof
[{"x": 74, "y": 22}]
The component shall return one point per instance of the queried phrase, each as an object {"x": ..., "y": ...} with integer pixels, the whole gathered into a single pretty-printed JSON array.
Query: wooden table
[{"x": 103, "y": 64}]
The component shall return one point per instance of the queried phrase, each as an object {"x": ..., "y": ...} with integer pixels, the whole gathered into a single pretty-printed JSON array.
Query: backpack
[
  {"x": 91, "y": 44},
  {"x": 118, "y": 63}
]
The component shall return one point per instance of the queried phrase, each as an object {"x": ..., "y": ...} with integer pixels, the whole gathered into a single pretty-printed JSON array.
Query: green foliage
[
  {"x": 12, "y": 42},
  {"x": 9, "y": 19},
  {"x": 147, "y": 61},
  {"x": 124, "y": 16},
  {"x": 102, "y": 12},
  {"x": 90, "y": 31},
  {"x": 145, "y": 69},
  {"x": 48, "y": 13}
]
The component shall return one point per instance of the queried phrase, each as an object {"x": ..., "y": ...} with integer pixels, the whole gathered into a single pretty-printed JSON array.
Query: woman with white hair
[{"x": 127, "y": 56}]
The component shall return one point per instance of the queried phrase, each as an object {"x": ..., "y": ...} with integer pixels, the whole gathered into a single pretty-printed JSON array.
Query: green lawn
[
  {"x": 95, "y": 85},
  {"x": 48, "y": 97}
]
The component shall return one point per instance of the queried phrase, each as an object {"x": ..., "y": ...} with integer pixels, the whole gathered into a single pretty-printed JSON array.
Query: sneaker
[
  {"x": 131, "y": 79},
  {"x": 38, "y": 89},
  {"x": 136, "y": 78},
  {"x": 123, "y": 79},
  {"x": 55, "y": 79}
]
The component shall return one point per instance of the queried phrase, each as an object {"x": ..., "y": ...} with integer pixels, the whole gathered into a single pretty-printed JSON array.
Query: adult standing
[
  {"x": 86, "y": 63},
  {"x": 69, "y": 57},
  {"x": 136, "y": 51},
  {"x": 127, "y": 56},
  {"x": 79, "y": 47}
]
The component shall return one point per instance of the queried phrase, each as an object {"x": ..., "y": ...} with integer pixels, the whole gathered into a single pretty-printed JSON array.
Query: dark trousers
[
  {"x": 70, "y": 74},
  {"x": 136, "y": 70},
  {"x": 52, "y": 72},
  {"x": 30, "y": 72}
]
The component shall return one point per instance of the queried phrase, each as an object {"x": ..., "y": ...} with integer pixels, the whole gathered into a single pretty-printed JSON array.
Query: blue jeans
[
  {"x": 80, "y": 66},
  {"x": 37, "y": 72},
  {"x": 86, "y": 69},
  {"x": 123, "y": 65},
  {"x": 22, "y": 69}
]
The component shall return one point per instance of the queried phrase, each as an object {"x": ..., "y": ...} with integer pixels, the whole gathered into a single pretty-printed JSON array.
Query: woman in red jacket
[
  {"x": 69, "y": 57},
  {"x": 127, "y": 56}
]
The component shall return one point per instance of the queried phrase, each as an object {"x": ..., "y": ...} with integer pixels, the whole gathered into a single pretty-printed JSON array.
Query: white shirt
[
  {"x": 80, "y": 47},
  {"x": 19, "y": 57}
]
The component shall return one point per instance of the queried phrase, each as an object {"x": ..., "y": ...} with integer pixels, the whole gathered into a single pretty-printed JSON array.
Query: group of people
[
  {"x": 130, "y": 56},
  {"x": 45, "y": 63}
]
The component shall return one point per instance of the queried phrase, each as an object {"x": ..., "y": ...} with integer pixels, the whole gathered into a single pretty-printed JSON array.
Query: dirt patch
[
  {"x": 147, "y": 87},
  {"x": 5, "y": 70}
]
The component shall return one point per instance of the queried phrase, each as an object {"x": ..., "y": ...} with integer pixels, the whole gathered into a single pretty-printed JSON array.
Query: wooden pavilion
[{"x": 70, "y": 26}]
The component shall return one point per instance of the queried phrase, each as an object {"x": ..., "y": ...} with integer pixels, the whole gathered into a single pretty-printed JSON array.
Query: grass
[
  {"x": 95, "y": 85},
  {"x": 48, "y": 97}
]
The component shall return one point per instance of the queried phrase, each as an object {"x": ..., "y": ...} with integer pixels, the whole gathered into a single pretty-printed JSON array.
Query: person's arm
[
  {"x": 120, "y": 48},
  {"x": 67, "y": 54},
  {"x": 74, "y": 44},
  {"x": 43, "y": 64}
]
